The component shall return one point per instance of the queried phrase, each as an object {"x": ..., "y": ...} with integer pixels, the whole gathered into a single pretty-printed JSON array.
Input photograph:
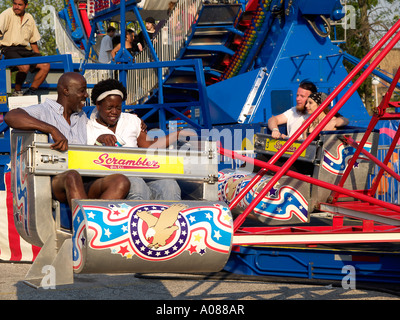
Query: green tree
[{"x": 373, "y": 19}]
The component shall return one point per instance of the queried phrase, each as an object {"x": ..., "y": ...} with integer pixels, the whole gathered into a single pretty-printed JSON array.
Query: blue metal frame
[
  {"x": 377, "y": 73},
  {"x": 78, "y": 35},
  {"x": 318, "y": 263},
  {"x": 64, "y": 59},
  {"x": 162, "y": 107},
  {"x": 122, "y": 56},
  {"x": 210, "y": 48},
  {"x": 5, "y": 148},
  {"x": 122, "y": 9}
]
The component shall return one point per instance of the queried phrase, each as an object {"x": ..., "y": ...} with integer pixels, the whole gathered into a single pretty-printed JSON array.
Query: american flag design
[
  {"x": 12, "y": 246},
  {"x": 21, "y": 189},
  {"x": 151, "y": 231},
  {"x": 336, "y": 164},
  {"x": 281, "y": 203}
]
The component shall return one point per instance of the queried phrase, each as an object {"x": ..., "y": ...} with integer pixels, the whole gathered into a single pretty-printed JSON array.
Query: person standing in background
[
  {"x": 106, "y": 46},
  {"x": 150, "y": 25}
]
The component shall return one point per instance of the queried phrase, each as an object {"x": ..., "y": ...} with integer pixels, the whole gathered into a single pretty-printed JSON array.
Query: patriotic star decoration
[
  {"x": 83, "y": 241},
  {"x": 140, "y": 243},
  {"x": 273, "y": 192},
  {"x": 91, "y": 215},
  {"x": 122, "y": 208},
  {"x": 197, "y": 244}
]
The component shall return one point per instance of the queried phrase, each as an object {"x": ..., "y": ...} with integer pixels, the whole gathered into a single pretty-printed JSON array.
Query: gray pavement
[{"x": 175, "y": 287}]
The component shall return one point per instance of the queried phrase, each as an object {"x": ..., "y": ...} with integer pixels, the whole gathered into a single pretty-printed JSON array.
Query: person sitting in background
[
  {"x": 313, "y": 102},
  {"x": 109, "y": 126},
  {"x": 294, "y": 117},
  {"x": 18, "y": 32},
  {"x": 307, "y": 103}
]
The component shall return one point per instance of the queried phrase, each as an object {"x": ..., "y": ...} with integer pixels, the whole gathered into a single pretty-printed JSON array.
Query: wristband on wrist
[{"x": 275, "y": 129}]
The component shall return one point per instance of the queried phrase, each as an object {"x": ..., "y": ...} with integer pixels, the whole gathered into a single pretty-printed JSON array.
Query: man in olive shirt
[{"x": 18, "y": 39}]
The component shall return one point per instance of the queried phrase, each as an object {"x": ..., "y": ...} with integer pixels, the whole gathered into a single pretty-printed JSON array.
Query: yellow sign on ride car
[
  {"x": 275, "y": 145},
  {"x": 146, "y": 162}
]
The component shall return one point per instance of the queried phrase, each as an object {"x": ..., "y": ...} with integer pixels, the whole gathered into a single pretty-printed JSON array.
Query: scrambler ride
[{"x": 270, "y": 222}]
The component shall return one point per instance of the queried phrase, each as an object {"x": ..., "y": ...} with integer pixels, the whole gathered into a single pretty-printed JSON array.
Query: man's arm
[
  {"x": 20, "y": 119},
  {"x": 4, "y": 22},
  {"x": 144, "y": 141},
  {"x": 341, "y": 122},
  {"x": 336, "y": 122},
  {"x": 273, "y": 124},
  {"x": 35, "y": 47}
]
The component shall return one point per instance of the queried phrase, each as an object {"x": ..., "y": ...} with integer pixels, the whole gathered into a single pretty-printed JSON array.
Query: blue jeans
[{"x": 163, "y": 189}]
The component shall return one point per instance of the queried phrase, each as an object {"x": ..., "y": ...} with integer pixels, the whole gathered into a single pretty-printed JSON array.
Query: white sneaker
[{"x": 17, "y": 93}]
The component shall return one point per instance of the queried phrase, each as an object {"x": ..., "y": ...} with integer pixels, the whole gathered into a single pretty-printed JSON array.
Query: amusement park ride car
[{"x": 221, "y": 70}]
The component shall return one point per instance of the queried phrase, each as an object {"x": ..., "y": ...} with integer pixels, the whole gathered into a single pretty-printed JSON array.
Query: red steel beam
[
  {"x": 328, "y": 117},
  {"x": 351, "y": 193},
  {"x": 247, "y": 188},
  {"x": 349, "y": 140},
  {"x": 340, "y": 87}
]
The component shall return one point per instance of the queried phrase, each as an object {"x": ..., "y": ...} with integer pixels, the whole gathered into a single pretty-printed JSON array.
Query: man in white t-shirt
[
  {"x": 294, "y": 117},
  {"x": 106, "y": 46}
]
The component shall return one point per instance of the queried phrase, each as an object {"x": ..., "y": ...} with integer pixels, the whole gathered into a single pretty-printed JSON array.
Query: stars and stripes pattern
[
  {"x": 119, "y": 229},
  {"x": 281, "y": 203},
  {"x": 337, "y": 164},
  {"x": 12, "y": 246},
  {"x": 21, "y": 190}
]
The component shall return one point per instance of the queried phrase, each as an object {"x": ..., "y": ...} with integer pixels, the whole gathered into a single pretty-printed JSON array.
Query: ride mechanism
[{"x": 221, "y": 70}]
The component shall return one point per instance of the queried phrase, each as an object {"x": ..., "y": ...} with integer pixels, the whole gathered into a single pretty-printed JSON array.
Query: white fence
[{"x": 167, "y": 43}]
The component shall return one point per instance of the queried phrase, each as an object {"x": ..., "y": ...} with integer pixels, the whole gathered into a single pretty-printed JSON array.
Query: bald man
[{"x": 65, "y": 122}]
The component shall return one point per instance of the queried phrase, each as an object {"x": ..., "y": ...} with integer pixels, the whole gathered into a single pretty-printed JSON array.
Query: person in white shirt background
[{"x": 295, "y": 116}]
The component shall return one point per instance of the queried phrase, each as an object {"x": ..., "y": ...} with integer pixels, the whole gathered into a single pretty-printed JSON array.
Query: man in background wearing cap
[{"x": 150, "y": 25}]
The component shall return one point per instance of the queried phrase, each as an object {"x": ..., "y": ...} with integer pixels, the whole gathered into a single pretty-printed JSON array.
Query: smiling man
[
  {"x": 63, "y": 119},
  {"x": 19, "y": 37},
  {"x": 65, "y": 122}
]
